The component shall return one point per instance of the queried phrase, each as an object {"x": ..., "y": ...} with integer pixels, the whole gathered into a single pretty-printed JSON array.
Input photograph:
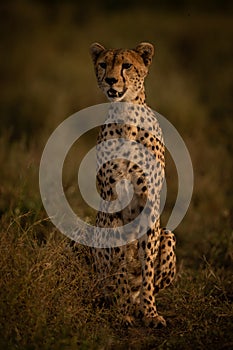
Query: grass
[
  {"x": 49, "y": 299},
  {"x": 49, "y": 296}
]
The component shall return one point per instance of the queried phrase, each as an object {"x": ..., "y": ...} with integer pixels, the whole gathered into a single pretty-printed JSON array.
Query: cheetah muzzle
[{"x": 112, "y": 93}]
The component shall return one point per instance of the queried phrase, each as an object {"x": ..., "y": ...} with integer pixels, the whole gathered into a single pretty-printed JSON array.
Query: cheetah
[{"x": 135, "y": 272}]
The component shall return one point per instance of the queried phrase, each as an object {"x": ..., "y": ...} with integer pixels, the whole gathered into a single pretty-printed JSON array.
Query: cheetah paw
[
  {"x": 128, "y": 321},
  {"x": 154, "y": 322}
]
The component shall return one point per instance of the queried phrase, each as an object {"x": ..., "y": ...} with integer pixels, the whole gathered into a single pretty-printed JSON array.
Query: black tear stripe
[
  {"x": 104, "y": 75},
  {"x": 122, "y": 75}
]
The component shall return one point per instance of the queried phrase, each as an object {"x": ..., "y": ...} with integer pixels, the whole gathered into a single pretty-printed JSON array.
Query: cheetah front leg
[
  {"x": 158, "y": 260},
  {"x": 148, "y": 252},
  {"x": 165, "y": 267}
]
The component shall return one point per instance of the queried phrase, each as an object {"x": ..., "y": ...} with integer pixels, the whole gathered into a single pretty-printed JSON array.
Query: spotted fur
[{"x": 136, "y": 272}]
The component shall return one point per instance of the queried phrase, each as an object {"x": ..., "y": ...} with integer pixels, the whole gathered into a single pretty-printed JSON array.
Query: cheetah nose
[{"x": 111, "y": 81}]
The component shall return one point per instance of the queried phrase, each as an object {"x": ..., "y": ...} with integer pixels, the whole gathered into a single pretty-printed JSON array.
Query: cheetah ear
[
  {"x": 146, "y": 51},
  {"x": 95, "y": 50}
]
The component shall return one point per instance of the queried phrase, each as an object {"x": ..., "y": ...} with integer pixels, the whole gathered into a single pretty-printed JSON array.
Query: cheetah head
[{"x": 121, "y": 72}]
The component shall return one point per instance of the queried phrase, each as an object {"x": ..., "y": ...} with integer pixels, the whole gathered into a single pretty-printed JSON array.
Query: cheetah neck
[{"x": 139, "y": 99}]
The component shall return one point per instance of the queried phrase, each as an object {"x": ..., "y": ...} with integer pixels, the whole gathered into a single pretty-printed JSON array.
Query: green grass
[{"x": 49, "y": 296}]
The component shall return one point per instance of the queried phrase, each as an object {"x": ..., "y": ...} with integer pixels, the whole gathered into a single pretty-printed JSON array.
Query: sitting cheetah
[{"x": 137, "y": 271}]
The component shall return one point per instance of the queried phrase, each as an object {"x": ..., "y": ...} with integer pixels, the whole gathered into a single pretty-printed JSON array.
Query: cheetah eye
[
  {"x": 103, "y": 65},
  {"x": 126, "y": 65}
]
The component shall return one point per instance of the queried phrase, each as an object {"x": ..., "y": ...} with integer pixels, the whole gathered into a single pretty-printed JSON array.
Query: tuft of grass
[{"x": 47, "y": 291}]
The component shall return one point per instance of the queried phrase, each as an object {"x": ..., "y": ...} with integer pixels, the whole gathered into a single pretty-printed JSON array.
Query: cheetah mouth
[{"x": 112, "y": 93}]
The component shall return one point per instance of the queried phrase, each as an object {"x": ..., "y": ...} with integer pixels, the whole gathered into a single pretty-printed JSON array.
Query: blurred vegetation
[{"x": 48, "y": 295}]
